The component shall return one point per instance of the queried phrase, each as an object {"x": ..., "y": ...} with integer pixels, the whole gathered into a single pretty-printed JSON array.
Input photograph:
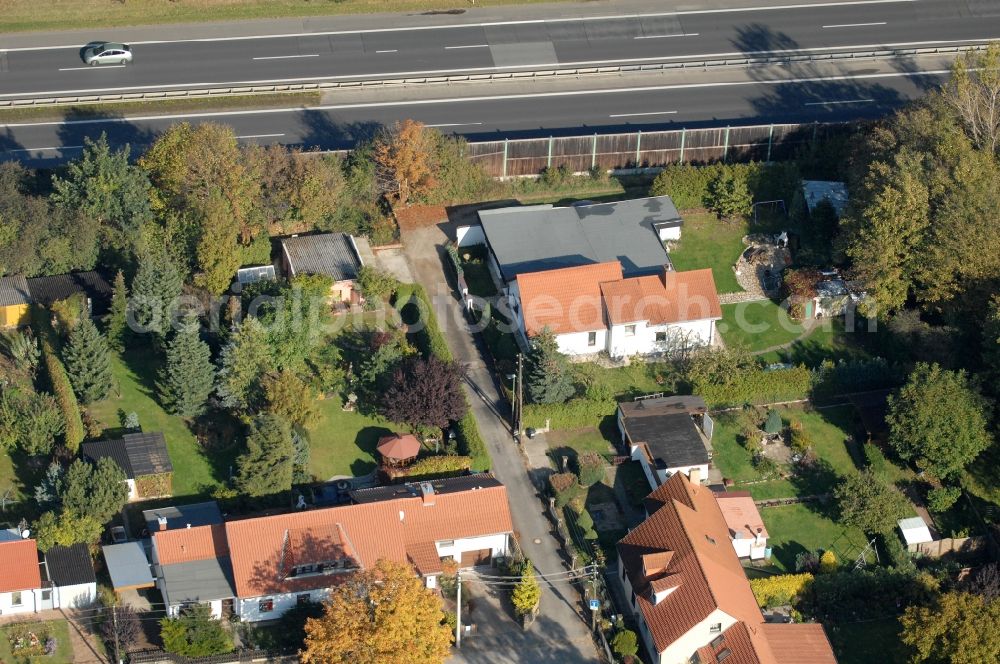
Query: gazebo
[{"x": 397, "y": 450}]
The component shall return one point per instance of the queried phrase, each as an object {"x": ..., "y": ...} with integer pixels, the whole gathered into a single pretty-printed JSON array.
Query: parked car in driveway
[{"x": 107, "y": 53}]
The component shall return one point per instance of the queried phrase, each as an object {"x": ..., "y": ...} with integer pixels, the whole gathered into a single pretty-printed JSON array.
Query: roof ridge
[{"x": 694, "y": 550}]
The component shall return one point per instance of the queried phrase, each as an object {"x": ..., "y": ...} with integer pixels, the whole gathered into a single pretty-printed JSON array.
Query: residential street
[{"x": 560, "y": 633}]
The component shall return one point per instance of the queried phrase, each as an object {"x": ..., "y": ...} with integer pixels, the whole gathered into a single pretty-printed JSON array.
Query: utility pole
[
  {"x": 458, "y": 609},
  {"x": 520, "y": 395},
  {"x": 593, "y": 613},
  {"x": 114, "y": 625}
]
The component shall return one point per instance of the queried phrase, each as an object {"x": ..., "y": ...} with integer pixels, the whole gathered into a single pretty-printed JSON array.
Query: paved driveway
[{"x": 560, "y": 633}]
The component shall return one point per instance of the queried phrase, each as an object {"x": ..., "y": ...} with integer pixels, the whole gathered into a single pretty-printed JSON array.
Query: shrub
[
  {"x": 564, "y": 487},
  {"x": 428, "y": 335},
  {"x": 375, "y": 285},
  {"x": 574, "y": 414},
  {"x": 432, "y": 467},
  {"x": 758, "y": 386},
  {"x": 877, "y": 463},
  {"x": 584, "y": 523},
  {"x": 471, "y": 443},
  {"x": 729, "y": 195},
  {"x": 691, "y": 186},
  {"x": 942, "y": 498},
  {"x": 590, "y": 468},
  {"x": 799, "y": 438},
  {"x": 779, "y": 590},
  {"x": 828, "y": 562},
  {"x": 772, "y": 424},
  {"x": 625, "y": 643},
  {"x": 834, "y": 378},
  {"x": 73, "y": 432}
]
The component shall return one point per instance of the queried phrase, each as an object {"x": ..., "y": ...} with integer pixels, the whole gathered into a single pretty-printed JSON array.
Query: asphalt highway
[
  {"x": 507, "y": 45},
  {"x": 864, "y": 93}
]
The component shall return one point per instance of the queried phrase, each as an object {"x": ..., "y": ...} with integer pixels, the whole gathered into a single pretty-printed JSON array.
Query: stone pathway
[{"x": 742, "y": 296}]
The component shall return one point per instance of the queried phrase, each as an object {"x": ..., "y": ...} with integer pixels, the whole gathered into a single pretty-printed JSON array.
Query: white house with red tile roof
[
  {"x": 20, "y": 575},
  {"x": 746, "y": 527},
  {"x": 593, "y": 308},
  {"x": 278, "y": 561},
  {"x": 688, "y": 591}
]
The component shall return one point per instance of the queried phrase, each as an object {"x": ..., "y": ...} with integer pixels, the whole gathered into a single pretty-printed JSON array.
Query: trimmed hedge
[
  {"x": 590, "y": 468},
  {"x": 758, "y": 387},
  {"x": 779, "y": 590},
  {"x": 832, "y": 379},
  {"x": 432, "y": 467},
  {"x": 564, "y": 488},
  {"x": 69, "y": 407},
  {"x": 471, "y": 443},
  {"x": 574, "y": 414},
  {"x": 691, "y": 186}
]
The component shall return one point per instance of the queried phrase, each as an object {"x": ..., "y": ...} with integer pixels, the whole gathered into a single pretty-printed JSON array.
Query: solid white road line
[
  {"x": 572, "y": 19},
  {"x": 286, "y": 57},
  {"x": 630, "y": 115},
  {"x": 686, "y": 34},
  {"x": 260, "y": 136},
  {"x": 853, "y": 25},
  {"x": 51, "y": 149},
  {"x": 437, "y": 72},
  {"x": 91, "y": 67},
  {"x": 390, "y": 50},
  {"x": 456, "y": 100},
  {"x": 831, "y": 103},
  {"x": 450, "y": 48},
  {"x": 455, "y": 124}
]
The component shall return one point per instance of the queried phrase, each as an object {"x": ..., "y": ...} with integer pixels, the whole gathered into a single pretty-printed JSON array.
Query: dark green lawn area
[
  {"x": 854, "y": 643},
  {"x": 195, "y": 471},
  {"x": 793, "y": 529},
  {"x": 828, "y": 341},
  {"x": 708, "y": 242},
  {"x": 55, "y": 628},
  {"x": 571, "y": 442},
  {"x": 757, "y": 325},
  {"x": 343, "y": 443},
  {"x": 829, "y": 428}
]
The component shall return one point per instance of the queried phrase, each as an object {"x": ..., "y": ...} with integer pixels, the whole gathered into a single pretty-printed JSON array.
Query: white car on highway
[{"x": 107, "y": 53}]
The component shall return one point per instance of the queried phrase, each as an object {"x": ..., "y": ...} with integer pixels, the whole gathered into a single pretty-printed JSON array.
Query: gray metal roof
[
  {"x": 332, "y": 254},
  {"x": 128, "y": 565},
  {"x": 182, "y": 516},
  {"x": 47, "y": 290},
  {"x": 541, "y": 237},
  {"x": 137, "y": 454},
  {"x": 14, "y": 290},
  {"x": 818, "y": 190},
  {"x": 199, "y": 580},
  {"x": 412, "y": 489}
]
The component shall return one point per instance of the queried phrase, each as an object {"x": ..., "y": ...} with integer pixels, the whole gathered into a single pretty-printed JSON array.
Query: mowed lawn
[
  {"x": 757, "y": 325},
  {"x": 135, "y": 374},
  {"x": 343, "y": 443},
  {"x": 55, "y": 628},
  {"x": 794, "y": 529},
  {"x": 709, "y": 242}
]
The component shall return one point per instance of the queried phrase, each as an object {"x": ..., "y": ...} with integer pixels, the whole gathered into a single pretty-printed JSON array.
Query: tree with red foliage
[{"x": 426, "y": 393}]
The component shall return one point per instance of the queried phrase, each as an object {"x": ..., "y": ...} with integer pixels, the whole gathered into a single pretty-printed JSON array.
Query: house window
[
  {"x": 46, "y": 595},
  {"x": 265, "y": 605},
  {"x": 630, "y": 330},
  {"x": 305, "y": 598},
  {"x": 716, "y": 628},
  {"x": 15, "y": 598},
  {"x": 591, "y": 338},
  {"x": 661, "y": 337}
]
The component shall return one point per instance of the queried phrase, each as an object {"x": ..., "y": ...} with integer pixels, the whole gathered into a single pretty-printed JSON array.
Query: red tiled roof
[
  {"x": 424, "y": 556},
  {"x": 802, "y": 643},
  {"x": 185, "y": 545},
  {"x": 19, "y": 570},
  {"x": 741, "y": 514},
  {"x": 739, "y": 643},
  {"x": 261, "y": 547},
  {"x": 567, "y": 299},
  {"x": 398, "y": 446},
  {"x": 671, "y": 297}
]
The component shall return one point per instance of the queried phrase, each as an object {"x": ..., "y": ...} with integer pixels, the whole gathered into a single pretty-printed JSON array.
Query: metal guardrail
[{"x": 784, "y": 59}]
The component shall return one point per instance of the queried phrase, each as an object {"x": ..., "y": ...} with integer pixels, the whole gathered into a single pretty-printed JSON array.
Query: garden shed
[{"x": 915, "y": 530}]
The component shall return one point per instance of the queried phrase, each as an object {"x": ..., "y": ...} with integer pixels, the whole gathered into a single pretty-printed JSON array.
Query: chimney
[
  {"x": 758, "y": 538},
  {"x": 161, "y": 521},
  {"x": 427, "y": 493},
  {"x": 402, "y": 515}
]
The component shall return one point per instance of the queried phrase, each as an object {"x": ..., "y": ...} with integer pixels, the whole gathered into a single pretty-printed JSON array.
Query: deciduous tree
[
  {"x": 187, "y": 377},
  {"x": 383, "y": 615},
  {"x": 426, "y": 393},
  {"x": 88, "y": 362},
  {"x": 97, "y": 490},
  {"x": 404, "y": 156},
  {"x": 30, "y": 420},
  {"x": 266, "y": 466},
  {"x": 958, "y": 628},
  {"x": 548, "y": 378},
  {"x": 973, "y": 91},
  {"x": 65, "y": 529},
  {"x": 938, "y": 420},
  {"x": 195, "y": 633},
  {"x": 870, "y": 503},
  {"x": 218, "y": 253},
  {"x": 120, "y": 629},
  {"x": 291, "y": 398}
]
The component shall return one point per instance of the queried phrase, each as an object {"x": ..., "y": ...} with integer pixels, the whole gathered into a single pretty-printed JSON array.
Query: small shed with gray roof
[
  {"x": 182, "y": 516},
  {"x": 15, "y": 298},
  {"x": 332, "y": 254},
  {"x": 139, "y": 455},
  {"x": 535, "y": 238},
  {"x": 128, "y": 566},
  {"x": 665, "y": 435},
  {"x": 817, "y": 191}
]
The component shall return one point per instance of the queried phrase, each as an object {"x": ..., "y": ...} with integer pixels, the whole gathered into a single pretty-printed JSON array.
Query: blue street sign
[{"x": 595, "y": 604}]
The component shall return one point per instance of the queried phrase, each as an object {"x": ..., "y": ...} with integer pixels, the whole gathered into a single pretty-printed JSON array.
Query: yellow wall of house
[{"x": 14, "y": 315}]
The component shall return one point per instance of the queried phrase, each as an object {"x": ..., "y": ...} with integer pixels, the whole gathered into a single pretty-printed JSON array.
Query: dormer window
[{"x": 715, "y": 628}]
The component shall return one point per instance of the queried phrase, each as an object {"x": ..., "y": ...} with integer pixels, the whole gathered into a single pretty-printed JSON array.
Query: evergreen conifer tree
[
  {"x": 88, "y": 362},
  {"x": 117, "y": 318},
  {"x": 188, "y": 375},
  {"x": 154, "y": 290},
  {"x": 548, "y": 378},
  {"x": 266, "y": 467}
]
